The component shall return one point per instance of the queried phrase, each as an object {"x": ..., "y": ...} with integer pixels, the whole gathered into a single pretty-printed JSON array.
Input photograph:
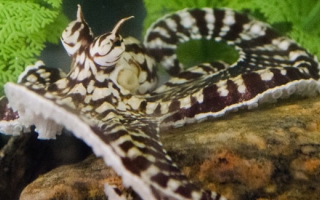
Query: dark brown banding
[
  {"x": 172, "y": 39},
  {"x": 199, "y": 16},
  {"x": 219, "y": 16},
  {"x": 215, "y": 66},
  {"x": 143, "y": 106},
  {"x": 175, "y": 69},
  {"x": 126, "y": 146},
  {"x": 173, "y": 117},
  {"x": 218, "y": 196},
  {"x": 185, "y": 190},
  {"x": 260, "y": 40},
  {"x": 159, "y": 54},
  {"x": 174, "y": 105},
  {"x": 166, "y": 166},
  {"x": 136, "y": 165},
  {"x": 233, "y": 94},
  {"x": 188, "y": 75},
  {"x": 135, "y": 48},
  {"x": 309, "y": 64},
  {"x": 206, "y": 195},
  {"x": 193, "y": 100},
  {"x": 161, "y": 179},
  {"x": 254, "y": 84},
  {"x": 110, "y": 137},
  {"x": 75, "y": 27},
  {"x": 155, "y": 193},
  {"x": 102, "y": 38},
  {"x": 52, "y": 87},
  {"x": 237, "y": 27},
  {"x": 157, "y": 111},
  {"x": 150, "y": 127},
  {"x": 294, "y": 47},
  {"x": 212, "y": 101},
  {"x": 77, "y": 98},
  {"x": 192, "y": 111},
  {"x": 157, "y": 152},
  {"x": 278, "y": 78},
  {"x": 313, "y": 70},
  {"x": 180, "y": 28},
  {"x": 117, "y": 191},
  {"x": 293, "y": 73}
]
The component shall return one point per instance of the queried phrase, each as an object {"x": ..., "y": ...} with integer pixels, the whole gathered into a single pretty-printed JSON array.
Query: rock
[
  {"x": 23, "y": 158},
  {"x": 84, "y": 180},
  {"x": 265, "y": 153},
  {"x": 20, "y": 163},
  {"x": 272, "y": 152}
]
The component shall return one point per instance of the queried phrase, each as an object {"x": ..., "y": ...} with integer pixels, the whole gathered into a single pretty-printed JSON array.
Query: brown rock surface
[
  {"x": 23, "y": 158},
  {"x": 272, "y": 152},
  {"x": 84, "y": 180}
]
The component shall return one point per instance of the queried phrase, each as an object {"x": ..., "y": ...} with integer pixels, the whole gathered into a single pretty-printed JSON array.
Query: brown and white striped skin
[
  {"x": 270, "y": 66},
  {"x": 107, "y": 98}
]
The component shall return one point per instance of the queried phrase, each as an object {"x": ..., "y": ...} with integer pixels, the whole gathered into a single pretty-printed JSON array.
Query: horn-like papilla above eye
[
  {"x": 77, "y": 34},
  {"x": 107, "y": 49}
]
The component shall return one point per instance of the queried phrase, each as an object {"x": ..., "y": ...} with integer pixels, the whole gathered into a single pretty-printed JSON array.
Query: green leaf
[
  {"x": 54, "y": 3},
  {"x": 25, "y": 27}
]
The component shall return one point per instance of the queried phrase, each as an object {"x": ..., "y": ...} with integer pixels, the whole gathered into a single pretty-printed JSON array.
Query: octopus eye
[
  {"x": 107, "y": 49},
  {"x": 77, "y": 34},
  {"x": 117, "y": 43}
]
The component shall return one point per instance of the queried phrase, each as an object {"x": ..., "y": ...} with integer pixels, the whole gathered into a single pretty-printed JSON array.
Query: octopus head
[
  {"x": 77, "y": 35},
  {"x": 107, "y": 49}
]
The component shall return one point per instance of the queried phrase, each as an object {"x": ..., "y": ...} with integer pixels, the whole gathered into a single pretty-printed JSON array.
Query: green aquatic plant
[
  {"x": 25, "y": 27},
  {"x": 296, "y": 18}
]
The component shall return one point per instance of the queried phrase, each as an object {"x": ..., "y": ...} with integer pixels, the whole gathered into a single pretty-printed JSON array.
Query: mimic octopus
[{"x": 109, "y": 99}]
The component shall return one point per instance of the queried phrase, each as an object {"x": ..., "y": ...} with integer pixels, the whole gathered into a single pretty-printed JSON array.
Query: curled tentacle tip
[
  {"x": 79, "y": 13},
  {"x": 118, "y": 25}
]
